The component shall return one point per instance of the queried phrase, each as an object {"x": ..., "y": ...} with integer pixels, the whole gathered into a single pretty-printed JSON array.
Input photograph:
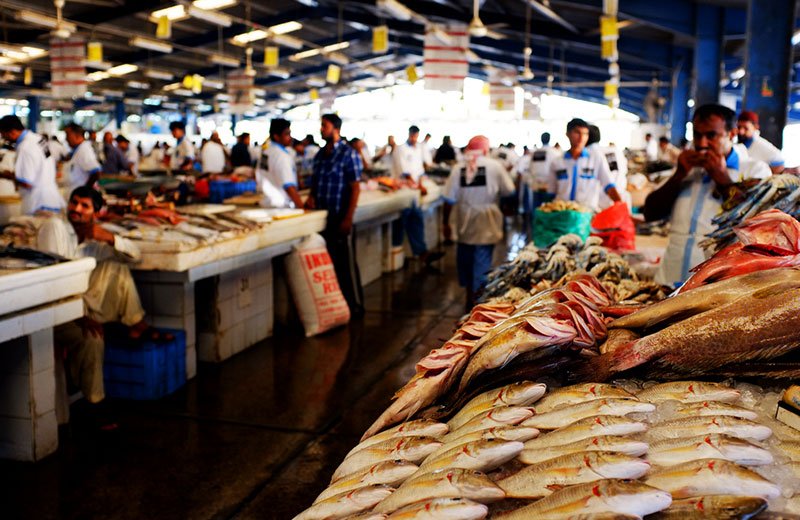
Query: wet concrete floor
[{"x": 257, "y": 436}]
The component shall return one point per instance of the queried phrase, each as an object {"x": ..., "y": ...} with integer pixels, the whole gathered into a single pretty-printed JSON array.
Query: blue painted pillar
[
  {"x": 681, "y": 85},
  {"x": 768, "y": 64},
  {"x": 233, "y": 123},
  {"x": 33, "y": 112},
  {"x": 119, "y": 113},
  {"x": 707, "y": 53}
]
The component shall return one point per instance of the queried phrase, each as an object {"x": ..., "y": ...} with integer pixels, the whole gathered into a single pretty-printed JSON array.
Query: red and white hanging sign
[
  {"x": 240, "y": 91},
  {"x": 445, "y": 58},
  {"x": 501, "y": 89},
  {"x": 67, "y": 69}
]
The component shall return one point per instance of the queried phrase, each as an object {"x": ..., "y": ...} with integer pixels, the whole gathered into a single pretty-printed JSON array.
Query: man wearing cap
[
  {"x": 131, "y": 154},
  {"x": 579, "y": 175},
  {"x": 115, "y": 160},
  {"x": 34, "y": 170},
  {"x": 758, "y": 148}
]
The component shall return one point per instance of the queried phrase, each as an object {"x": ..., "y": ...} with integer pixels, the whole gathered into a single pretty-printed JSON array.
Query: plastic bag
[
  {"x": 615, "y": 226},
  {"x": 550, "y": 226},
  {"x": 314, "y": 286}
]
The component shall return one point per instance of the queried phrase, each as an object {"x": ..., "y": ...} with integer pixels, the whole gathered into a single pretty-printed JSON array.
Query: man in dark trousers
[{"x": 334, "y": 187}]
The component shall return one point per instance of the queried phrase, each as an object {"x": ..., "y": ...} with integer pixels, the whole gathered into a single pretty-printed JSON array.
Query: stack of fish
[
  {"x": 684, "y": 450},
  {"x": 533, "y": 271},
  {"x": 780, "y": 192}
]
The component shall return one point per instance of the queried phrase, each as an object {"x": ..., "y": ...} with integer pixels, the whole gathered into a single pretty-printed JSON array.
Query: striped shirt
[{"x": 332, "y": 177}]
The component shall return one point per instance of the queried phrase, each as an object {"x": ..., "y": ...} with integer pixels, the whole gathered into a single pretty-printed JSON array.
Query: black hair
[
  {"x": 180, "y": 125},
  {"x": 277, "y": 126},
  {"x": 244, "y": 135},
  {"x": 663, "y": 139},
  {"x": 546, "y": 138},
  {"x": 122, "y": 139},
  {"x": 594, "y": 135},
  {"x": 84, "y": 192},
  {"x": 413, "y": 129},
  {"x": 333, "y": 119},
  {"x": 705, "y": 112},
  {"x": 8, "y": 123},
  {"x": 577, "y": 123},
  {"x": 648, "y": 134},
  {"x": 75, "y": 128}
]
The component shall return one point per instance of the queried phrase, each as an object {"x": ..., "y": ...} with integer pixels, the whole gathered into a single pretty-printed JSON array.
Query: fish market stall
[
  {"x": 34, "y": 298},
  {"x": 229, "y": 271},
  {"x": 575, "y": 388}
]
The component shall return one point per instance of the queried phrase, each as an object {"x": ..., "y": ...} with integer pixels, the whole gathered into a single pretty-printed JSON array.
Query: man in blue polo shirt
[
  {"x": 578, "y": 175},
  {"x": 334, "y": 187}
]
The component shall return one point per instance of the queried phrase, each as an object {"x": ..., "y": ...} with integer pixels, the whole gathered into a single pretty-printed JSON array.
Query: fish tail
[{"x": 603, "y": 367}]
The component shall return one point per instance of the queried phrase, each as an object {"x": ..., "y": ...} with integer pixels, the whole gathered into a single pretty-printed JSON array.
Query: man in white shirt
[
  {"x": 182, "y": 154},
  {"x": 650, "y": 147},
  {"x": 695, "y": 192},
  {"x": 58, "y": 151},
  {"x": 667, "y": 152},
  {"x": 111, "y": 296},
  {"x": 475, "y": 186},
  {"x": 758, "y": 148},
  {"x": 212, "y": 156},
  {"x": 541, "y": 159},
  {"x": 276, "y": 176},
  {"x": 84, "y": 167},
  {"x": 580, "y": 175},
  {"x": 409, "y": 168},
  {"x": 34, "y": 169}
]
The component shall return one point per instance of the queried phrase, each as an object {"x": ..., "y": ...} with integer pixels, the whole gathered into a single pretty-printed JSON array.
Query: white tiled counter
[
  {"x": 32, "y": 302},
  {"x": 229, "y": 282}
]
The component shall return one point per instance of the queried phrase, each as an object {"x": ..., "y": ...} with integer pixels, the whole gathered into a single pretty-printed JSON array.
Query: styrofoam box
[{"x": 368, "y": 250}]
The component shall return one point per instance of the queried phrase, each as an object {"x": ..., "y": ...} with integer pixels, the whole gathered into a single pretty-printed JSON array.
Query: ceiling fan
[
  {"x": 527, "y": 73},
  {"x": 478, "y": 29}
]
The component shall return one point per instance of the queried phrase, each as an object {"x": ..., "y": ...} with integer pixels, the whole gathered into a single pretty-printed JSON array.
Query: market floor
[{"x": 256, "y": 436}]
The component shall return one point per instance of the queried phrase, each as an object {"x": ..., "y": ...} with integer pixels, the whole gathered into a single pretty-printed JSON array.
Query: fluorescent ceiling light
[
  {"x": 121, "y": 70},
  {"x": 179, "y": 12},
  {"x": 212, "y": 83},
  {"x": 336, "y": 47},
  {"x": 133, "y": 102},
  {"x": 248, "y": 37},
  {"x": 279, "y": 73},
  {"x": 220, "y": 19},
  {"x": 227, "y": 61},
  {"x": 286, "y": 27},
  {"x": 396, "y": 9},
  {"x": 33, "y": 52},
  {"x": 174, "y": 13},
  {"x": 738, "y": 74},
  {"x": 170, "y": 106},
  {"x": 316, "y": 82},
  {"x": 338, "y": 57},
  {"x": 152, "y": 101},
  {"x": 289, "y": 96},
  {"x": 259, "y": 92},
  {"x": 172, "y": 86},
  {"x": 9, "y": 68},
  {"x": 159, "y": 74},
  {"x": 151, "y": 45},
  {"x": 214, "y": 4},
  {"x": 288, "y": 41},
  {"x": 138, "y": 84},
  {"x": 98, "y": 76},
  {"x": 183, "y": 92},
  {"x": 99, "y": 65},
  {"x": 45, "y": 21},
  {"x": 323, "y": 50}
]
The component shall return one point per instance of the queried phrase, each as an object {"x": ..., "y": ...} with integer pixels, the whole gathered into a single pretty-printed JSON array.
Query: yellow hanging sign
[
  {"x": 334, "y": 73},
  {"x": 94, "y": 52},
  {"x": 380, "y": 39},
  {"x": 411, "y": 72},
  {"x": 313, "y": 94},
  {"x": 187, "y": 81},
  {"x": 163, "y": 28},
  {"x": 485, "y": 88},
  {"x": 197, "y": 83},
  {"x": 609, "y": 29},
  {"x": 271, "y": 57},
  {"x": 27, "y": 77},
  {"x": 611, "y": 90},
  {"x": 608, "y": 50}
]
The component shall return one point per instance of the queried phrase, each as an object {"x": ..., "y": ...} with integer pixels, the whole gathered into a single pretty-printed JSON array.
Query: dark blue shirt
[
  {"x": 333, "y": 174},
  {"x": 115, "y": 160}
]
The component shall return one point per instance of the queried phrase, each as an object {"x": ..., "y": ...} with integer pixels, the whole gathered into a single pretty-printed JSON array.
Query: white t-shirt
[
  {"x": 277, "y": 173},
  {"x": 212, "y": 157},
  {"x": 36, "y": 167},
  {"x": 541, "y": 160},
  {"x": 582, "y": 179},
  {"x": 651, "y": 149},
  {"x": 762, "y": 150},
  {"x": 478, "y": 217},
  {"x": 180, "y": 152},
  {"x": 507, "y": 157},
  {"x": 692, "y": 213},
  {"x": 57, "y": 150},
  {"x": 618, "y": 167},
  {"x": 83, "y": 164},
  {"x": 409, "y": 160},
  {"x": 133, "y": 156}
]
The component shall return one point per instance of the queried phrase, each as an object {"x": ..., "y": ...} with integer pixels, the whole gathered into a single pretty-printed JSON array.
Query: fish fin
[
  {"x": 601, "y": 368},
  {"x": 769, "y": 250},
  {"x": 555, "y": 487}
]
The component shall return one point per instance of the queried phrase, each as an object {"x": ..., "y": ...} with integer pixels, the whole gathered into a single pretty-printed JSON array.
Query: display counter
[{"x": 32, "y": 302}]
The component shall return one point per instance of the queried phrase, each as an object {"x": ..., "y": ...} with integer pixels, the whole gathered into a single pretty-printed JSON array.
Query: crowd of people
[{"x": 725, "y": 151}]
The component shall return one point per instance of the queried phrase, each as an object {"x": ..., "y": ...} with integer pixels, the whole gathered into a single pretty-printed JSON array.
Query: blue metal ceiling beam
[
  {"x": 707, "y": 53},
  {"x": 674, "y": 16}
]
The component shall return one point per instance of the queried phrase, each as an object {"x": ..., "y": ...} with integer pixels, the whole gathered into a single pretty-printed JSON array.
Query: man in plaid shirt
[{"x": 334, "y": 187}]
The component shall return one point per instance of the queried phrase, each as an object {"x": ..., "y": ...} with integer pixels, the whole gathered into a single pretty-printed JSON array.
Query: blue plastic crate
[
  {"x": 219, "y": 190},
  {"x": 147, "y": 371}
]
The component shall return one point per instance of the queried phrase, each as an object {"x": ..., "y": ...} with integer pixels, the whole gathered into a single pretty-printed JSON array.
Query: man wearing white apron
[{"x": 693, "y": 195}]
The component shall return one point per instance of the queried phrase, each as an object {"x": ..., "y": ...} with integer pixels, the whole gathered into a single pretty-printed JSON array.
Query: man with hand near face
[{"x": 695, "y": 192}]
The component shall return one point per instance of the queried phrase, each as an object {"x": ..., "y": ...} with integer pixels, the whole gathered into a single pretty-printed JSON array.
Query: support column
[
  {"x": 119, "y": 113},
  {"x": 707, "y": 53},
  {"x": 679, "y": 110},
  {"x": 233, "y": 124},
  {"x": 768, "y": 64},
  {"x": 33, "y": 112}
]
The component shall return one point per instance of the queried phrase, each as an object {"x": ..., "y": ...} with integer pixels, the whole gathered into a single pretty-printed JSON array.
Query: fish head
[
  {"x": 493, "y": 451},
  {"x": 475, "y": 486},
  {"x": 632, "y": 496},
  {"x": 417, "y": 447},
  {"x": 522, "y": 393},
  {"x": 426, "y": 427},
  {"x": 742, "y": 451},
  {"x": 611, "y": 464},
  {"x": 621, "y": 445},
  {"x": 509, "y": 414},
  {"x": 397, "y": 468},
  {"x": 515, "y": 433}
]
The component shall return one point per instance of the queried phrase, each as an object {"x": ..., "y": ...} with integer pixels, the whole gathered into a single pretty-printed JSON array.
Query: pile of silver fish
[
  {"x": 678, "y": 450},
  {"x": 780, "y": 192},
  {"x": 534, "y": 270}
]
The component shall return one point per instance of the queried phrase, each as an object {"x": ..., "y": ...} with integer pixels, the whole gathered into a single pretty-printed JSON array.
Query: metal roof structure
[{"x": 656, "y": 40}]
